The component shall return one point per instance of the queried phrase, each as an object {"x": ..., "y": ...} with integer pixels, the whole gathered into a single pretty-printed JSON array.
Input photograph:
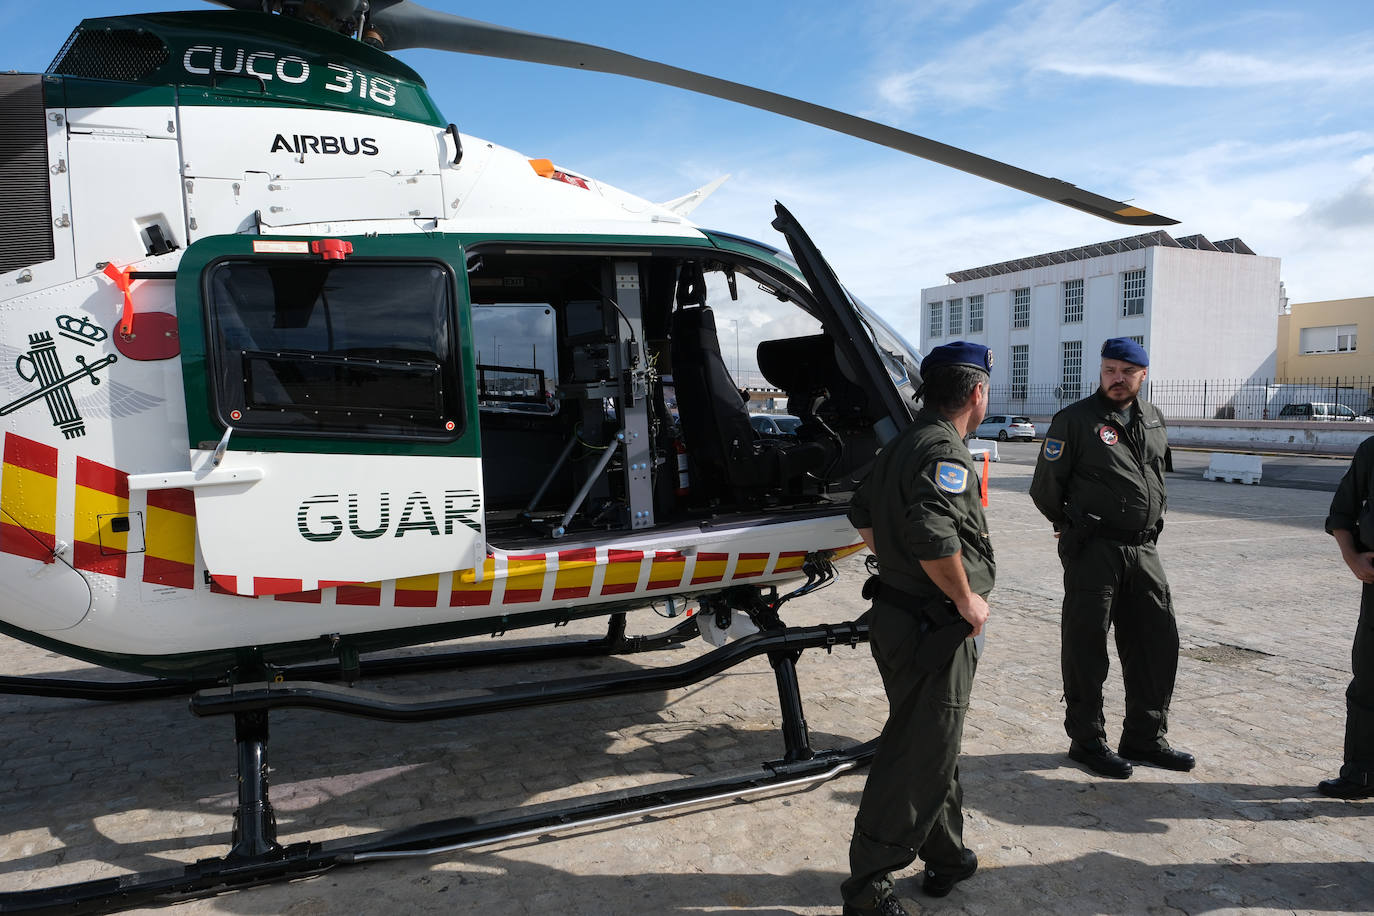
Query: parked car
[
  {"x": 1003, "y": 427},
  {"x": 775, "y": 425},
  {"x": 1317, "y": 410}
]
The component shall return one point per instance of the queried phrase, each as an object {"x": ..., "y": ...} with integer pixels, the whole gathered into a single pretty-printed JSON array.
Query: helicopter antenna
[{"x": 395, "y": 25}]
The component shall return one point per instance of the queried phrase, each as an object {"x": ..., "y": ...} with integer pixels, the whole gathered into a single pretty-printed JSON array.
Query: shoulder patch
[
  {"x": 951, "y": 477},
  {"x": 1054, "y": 448}
]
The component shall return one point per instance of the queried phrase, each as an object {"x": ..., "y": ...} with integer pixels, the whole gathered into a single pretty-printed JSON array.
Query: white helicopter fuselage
[{"x": 129, "y": 540}]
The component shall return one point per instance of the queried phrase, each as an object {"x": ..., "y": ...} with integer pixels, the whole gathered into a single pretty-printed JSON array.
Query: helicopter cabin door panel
[
  {"x": 845, "y": 326},
  {"x": 331, "y": 408}
]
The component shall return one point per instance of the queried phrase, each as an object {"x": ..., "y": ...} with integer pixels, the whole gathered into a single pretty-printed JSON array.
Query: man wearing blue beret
[
  {"x": 920, "y": 513},
  {"x": 1100, "y": 481}
]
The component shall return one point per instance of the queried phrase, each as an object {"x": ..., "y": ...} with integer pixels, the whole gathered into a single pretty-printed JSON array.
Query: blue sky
[{"x": 1239, "y": 119}]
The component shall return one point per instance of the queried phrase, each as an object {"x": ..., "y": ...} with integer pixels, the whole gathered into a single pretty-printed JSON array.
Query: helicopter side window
[
  {"x": 359, "y": 348},
  {"x": 516, "y": 360}
]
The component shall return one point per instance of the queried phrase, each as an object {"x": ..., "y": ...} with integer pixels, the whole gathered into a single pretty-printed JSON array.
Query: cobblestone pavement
[{"x": 1266, "y": 611}]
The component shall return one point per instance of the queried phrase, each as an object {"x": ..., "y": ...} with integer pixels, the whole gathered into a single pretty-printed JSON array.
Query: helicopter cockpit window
[
  {"x": 517, "y": 367},
  {"x": 354, "y": 348},
  {"x": 900, "y": 359}
]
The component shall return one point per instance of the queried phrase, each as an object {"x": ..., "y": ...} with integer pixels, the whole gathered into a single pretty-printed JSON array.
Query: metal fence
[{"x": 1209, "y": 399}]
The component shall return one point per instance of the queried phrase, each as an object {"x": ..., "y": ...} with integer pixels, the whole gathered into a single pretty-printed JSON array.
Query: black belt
[
  {"x": 940, "y": 633},
  {"x": 1123, "y": 536}
]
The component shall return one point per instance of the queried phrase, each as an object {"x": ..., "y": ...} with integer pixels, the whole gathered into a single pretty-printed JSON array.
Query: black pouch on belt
[{"x": 943, "y": 632}]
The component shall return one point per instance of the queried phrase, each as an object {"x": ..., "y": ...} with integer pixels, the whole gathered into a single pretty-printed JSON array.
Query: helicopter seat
[
  {"x": 723, "y": 446},
  {"x": 819, "y": 392}
]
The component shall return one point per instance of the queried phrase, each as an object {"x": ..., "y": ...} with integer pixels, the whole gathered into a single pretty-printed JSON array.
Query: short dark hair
[{"x": 948, "y": 388}]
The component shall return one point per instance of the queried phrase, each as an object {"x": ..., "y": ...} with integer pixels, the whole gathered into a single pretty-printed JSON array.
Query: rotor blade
[{"x": 399, "y": 24}]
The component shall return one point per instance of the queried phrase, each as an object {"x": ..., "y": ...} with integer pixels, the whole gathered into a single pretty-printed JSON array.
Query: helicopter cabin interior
[{"x": 606, "y": 402}]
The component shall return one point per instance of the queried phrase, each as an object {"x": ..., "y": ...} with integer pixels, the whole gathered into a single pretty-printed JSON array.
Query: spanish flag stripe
[
  {"x": 667, "y": 569},
  {"x": 173, "y": 500},
  {"x": 28, "y": 496},
  {"x": 710, "y": 567},
  {"x": 622, "y": 571},
  {"x": 101, "y": 478},
  {"x": 575, "y": 571},
  {"x": 418, "y": 591},
  {"x": 88, "y": 555},
  {"x": 271, "y": 585},
  {"x": 159, "y": 571},
  {"x": 25, "y": 543},
  {"x": 33, "y": 456},
  {"x": 310, "y": 597},
  {"x": 473, "y": 594},
  {"x": 751, "y": 564},
  {"x": 170, "y": 536},
  {"x": 525, "y": 578},
  {"x": 102, "y": 493},
  {"x": 360, "y": 595}
]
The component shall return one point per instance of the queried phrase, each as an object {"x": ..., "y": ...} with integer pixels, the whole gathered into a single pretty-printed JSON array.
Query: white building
[{"x": 1202, "y": 310}]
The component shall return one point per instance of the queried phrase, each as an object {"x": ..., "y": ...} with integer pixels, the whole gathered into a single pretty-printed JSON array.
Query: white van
[{"x": 1317, "y": 410}]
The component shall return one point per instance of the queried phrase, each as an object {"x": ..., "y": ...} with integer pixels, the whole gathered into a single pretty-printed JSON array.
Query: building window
[
  {"x": 1020, "y": 371},
  {"x": 1020, "y": 307},
  {"x": 936, "y": 310},
  {"x": 1132, "y": 293},
  {"x": 956, "y": 316},
  {"x": 1073, "y": 301},
  {"x": 975, "y": 314},
  {"x": 1071, "y": 380},
  {"x": 1138, "y": 338},
  {"x": 1335, "y": 338}
]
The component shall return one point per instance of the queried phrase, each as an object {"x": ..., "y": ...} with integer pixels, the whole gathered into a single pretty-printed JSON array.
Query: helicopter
[{"x": 254, "y": 294}]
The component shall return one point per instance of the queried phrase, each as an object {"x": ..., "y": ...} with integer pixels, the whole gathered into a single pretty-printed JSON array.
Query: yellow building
[{"x": 1323, "y": 340}]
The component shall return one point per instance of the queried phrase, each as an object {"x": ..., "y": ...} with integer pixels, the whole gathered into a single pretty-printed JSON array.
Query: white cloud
[{"x": 1348, "y": 64}]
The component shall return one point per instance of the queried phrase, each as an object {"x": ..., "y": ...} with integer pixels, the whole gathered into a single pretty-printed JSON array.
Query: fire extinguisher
[{"x": 684, "y": 480}]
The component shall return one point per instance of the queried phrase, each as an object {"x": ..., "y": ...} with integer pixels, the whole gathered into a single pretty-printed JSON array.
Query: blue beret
[
  {"x": 1125, "y": 349},
  {"x": 959, "y": 353}
]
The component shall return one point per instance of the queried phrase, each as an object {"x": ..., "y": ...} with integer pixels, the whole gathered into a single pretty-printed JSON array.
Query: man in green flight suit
[
  {"x": 1100, "y": 482},
  {"x": 920, "y": 512},
  {"x": 1351, "y": 522}
]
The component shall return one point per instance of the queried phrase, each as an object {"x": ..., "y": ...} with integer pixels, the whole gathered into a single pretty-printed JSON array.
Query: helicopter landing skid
[
  {"x": 614, "y": 642},
  {"x": 255, "y": 856}
]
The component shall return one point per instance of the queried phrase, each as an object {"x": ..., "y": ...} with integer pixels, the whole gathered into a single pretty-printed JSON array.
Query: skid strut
[{"x": 256, "y": 857}]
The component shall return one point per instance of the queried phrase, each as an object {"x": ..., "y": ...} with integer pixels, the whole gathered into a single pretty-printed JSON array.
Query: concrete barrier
[
  {"x": 1234, "y": 468},
  {"x": 979, "y": 446}
]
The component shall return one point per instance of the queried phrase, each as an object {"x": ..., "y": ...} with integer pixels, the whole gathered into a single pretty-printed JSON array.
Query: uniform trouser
[
  {"x": 1359, "y": 697},
  {"x": 912, "y": 804},
  {"x": 1106, "y": 583}
]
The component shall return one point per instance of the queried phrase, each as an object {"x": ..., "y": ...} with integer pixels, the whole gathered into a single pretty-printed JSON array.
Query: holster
[{"x": 942, "y": 629}]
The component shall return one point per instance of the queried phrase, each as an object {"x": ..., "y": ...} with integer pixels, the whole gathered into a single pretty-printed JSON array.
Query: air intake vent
[
  {"x": 25, "y": 204},
  {"x": 128, "y": 55}
]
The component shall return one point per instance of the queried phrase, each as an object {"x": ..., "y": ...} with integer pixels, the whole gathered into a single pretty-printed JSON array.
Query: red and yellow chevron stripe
[
  {"x": 102, "y": 499},
  {"x": 28, "y": 498},
  {"x": 169, "y": 546}
]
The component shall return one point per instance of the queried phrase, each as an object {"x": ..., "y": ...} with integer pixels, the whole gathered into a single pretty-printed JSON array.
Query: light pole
[{"x": 735, "y": 321}]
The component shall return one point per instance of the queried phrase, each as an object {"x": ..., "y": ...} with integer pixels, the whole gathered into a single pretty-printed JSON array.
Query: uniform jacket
[
  {"x": 1352, "y": 508},
  {"x": 1094, "y": 463},
  {"x": 922, "y": 501}
]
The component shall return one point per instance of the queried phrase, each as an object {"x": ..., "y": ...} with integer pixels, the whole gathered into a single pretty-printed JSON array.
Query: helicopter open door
[
  {"x": 331, "y": 411},
  {"x": 856, "y": 341}
]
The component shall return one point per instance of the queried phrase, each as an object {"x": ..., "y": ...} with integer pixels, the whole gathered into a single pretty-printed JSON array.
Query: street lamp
[{"x": 735, "y": 321}]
